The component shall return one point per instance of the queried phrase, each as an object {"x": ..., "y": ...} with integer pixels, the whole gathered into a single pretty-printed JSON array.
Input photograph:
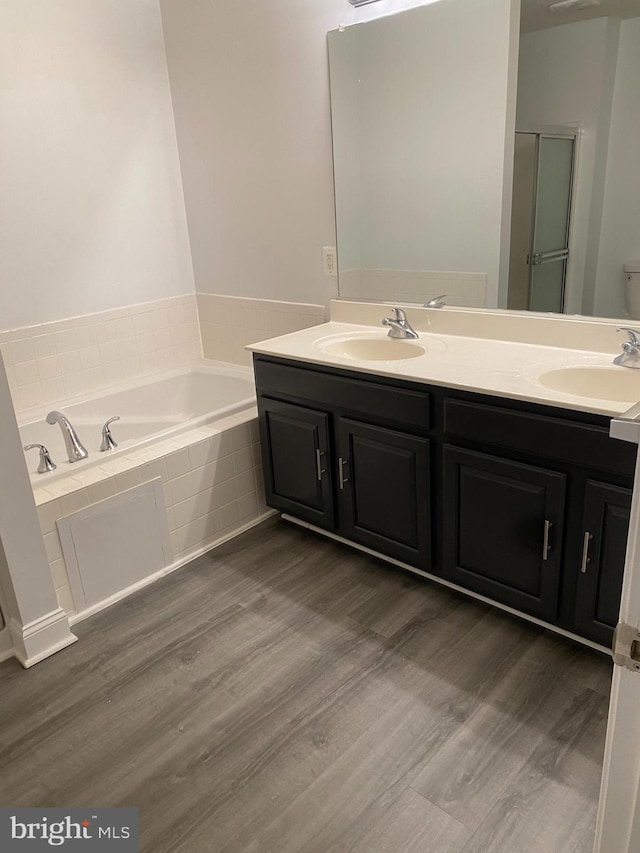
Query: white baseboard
[
  {"x": 45, "y": 636},
  {"x": 443, "y": 582}
]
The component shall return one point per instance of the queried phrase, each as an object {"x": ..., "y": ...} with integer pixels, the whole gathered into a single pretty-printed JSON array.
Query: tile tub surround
[
  {"x": 212, "y": 479},
  {"x": 212, "y": 474},
  {"x": 57, "y": 360},
  {"x": 54, "y": 361},
  {"x": 148, "y": 408},
  {"x": 229, "y": 323}
]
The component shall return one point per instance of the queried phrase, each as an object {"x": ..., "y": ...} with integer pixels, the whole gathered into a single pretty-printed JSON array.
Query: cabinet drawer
[
  {"x": 585, "y": 445},
  {"x": 381, "y": 403}
]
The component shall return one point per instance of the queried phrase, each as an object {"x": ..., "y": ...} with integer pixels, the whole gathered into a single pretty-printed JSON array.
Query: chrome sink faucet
[
  {"x": 399, "y": 325},
  {"x": 630, "y": 355},
  {"x": 75, "y": 450}
]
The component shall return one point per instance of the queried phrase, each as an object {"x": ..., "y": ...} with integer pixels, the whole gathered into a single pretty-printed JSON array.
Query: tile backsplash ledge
[
  {"x": 229, "y": 323},
  {"x": 53, "y": 361}
]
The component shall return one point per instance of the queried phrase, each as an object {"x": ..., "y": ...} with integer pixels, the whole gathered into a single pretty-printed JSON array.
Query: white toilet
[{"x": 632, "y": 277}]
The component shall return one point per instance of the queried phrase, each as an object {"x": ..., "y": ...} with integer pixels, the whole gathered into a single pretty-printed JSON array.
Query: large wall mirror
[{"x": 489, "y": 152}]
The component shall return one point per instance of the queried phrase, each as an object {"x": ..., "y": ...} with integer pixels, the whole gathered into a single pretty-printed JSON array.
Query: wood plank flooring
[{"x": 286, "y": 694}]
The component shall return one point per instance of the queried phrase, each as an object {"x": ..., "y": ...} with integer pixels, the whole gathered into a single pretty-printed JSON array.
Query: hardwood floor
[{"x": 286, "y": 694}]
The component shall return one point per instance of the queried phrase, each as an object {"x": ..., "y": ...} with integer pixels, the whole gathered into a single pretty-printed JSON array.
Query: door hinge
[{"x": 626, "y": 647}]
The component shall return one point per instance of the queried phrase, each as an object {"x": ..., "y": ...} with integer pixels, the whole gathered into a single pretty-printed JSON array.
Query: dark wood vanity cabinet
[
  {"x": 297, "y": 479},
  {"x": 384, "y": 490},
  {"x": 348, "y": 455},
  {"x": 527, "y": 505},
  {"x": 381, "y": 496},
  {"x": 604, "y": 537},
  {"x": 503, "y": 529}
]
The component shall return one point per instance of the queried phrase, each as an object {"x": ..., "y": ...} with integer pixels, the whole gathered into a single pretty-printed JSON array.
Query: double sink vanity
[{"x": 478, "y": 453}]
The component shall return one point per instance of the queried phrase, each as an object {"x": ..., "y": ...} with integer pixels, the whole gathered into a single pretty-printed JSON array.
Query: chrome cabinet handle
[
  {"x": 341, "y": 478},
  {"x": 319, "y": 469},
  {"x": 586, "y": 559},
  {"x": 546, "y": 547}
]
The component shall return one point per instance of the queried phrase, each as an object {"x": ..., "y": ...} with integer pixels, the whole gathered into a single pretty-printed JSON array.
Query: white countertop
[{"x": 498, "y": 367}]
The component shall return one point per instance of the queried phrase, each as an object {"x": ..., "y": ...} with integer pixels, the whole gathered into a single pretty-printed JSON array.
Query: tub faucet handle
[
  {"x": 45, "y": 463},
  {"x": 108, "y": 441}
]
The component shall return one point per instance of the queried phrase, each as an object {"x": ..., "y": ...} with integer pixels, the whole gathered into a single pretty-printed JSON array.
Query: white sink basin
[
  {"x": 378, "y": 346},
  {"x": 365, "y": 349},
  {"x": 603, "y": 383}
]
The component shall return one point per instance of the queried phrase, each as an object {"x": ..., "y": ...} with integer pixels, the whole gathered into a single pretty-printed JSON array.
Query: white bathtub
[{"x": 155, "y": 407}]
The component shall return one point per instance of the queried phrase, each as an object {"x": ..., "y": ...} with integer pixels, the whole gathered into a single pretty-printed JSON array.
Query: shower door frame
[{"x": 572, "y": 132}]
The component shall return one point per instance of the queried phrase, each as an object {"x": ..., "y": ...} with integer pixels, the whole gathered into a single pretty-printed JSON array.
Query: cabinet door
[
  {"x": 503, "y": 529},
  {"x": 295, "y": 453},
  {"x": 605, "y": 528},
  {"x": 384, "y": 491}
]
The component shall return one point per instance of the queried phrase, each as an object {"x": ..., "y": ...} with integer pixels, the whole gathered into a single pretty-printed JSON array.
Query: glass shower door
[{"x": 550, "y": 249}]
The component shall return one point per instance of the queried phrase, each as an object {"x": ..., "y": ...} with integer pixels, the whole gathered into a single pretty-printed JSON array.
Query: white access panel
[{"x": 115, "y": 543}]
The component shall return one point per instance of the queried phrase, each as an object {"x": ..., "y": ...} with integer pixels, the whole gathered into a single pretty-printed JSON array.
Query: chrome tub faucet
[
  {"x": 75, "y": 449},
  {"x": 399, "y": 326}
]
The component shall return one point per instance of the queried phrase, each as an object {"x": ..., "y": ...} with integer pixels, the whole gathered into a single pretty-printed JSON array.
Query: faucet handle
[
  {"x": 45, "y": 463},
  {"x": 400, "y": 326},
  {"x": 634, "y": 335},
  {"x": 108, "y": 441}
]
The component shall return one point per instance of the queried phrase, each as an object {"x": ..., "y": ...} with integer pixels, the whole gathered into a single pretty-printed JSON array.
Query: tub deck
[{"x": 158, "y": 408}]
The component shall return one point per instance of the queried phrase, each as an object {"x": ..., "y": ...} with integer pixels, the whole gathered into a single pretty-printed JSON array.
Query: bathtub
[{"x": 155, "y": 407}]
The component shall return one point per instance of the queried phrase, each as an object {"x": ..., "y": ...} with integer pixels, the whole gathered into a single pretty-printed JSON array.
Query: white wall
[
  {"x": 431, "y": 116},
  {"x": 566, "y": 76},
  {"x": 92, "y": 214},
  {"x": 620, "y": 237},
  {"x": 255, "y": 139}
]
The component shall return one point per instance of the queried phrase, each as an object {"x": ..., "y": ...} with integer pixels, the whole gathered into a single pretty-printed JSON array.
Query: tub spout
[{"x": 75, "y": 450}]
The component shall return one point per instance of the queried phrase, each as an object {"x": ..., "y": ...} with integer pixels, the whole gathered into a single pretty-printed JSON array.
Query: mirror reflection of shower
[
  {"x": 422, "y": 171},
  {"x": 540, "y": 220}
]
